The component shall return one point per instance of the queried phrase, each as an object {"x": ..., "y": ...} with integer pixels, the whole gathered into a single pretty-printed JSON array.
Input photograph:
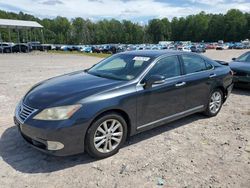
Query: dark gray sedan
[
  {"x": 241, "y": 69},
  {"x": 97, "y": 109}
]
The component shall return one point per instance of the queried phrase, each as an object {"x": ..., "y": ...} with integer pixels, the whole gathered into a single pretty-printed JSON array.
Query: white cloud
[
  {"x": 122, "y": 9},
  {"x": 208, "y": 2}
]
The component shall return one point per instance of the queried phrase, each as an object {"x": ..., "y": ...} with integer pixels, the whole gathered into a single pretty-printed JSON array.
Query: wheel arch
[
  {"x": 224, "y": 91},
  {"x": 117, "y": 111}
]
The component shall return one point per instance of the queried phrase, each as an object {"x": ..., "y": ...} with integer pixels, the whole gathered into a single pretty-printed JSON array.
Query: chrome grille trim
[{"x": 23, "y": 112}]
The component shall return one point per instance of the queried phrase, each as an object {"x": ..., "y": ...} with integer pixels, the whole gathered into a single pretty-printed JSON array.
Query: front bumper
[
  {"x": 242, "y": 81},
  {"x": 53, "y": 140}
]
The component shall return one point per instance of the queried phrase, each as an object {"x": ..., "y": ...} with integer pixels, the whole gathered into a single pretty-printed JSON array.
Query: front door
[{"x": 160, "y": 101}]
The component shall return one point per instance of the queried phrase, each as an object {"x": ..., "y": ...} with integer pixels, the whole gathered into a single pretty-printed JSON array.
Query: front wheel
[
  {"x": 106, "y": 135},
  {"x": 215, "y": 103}
]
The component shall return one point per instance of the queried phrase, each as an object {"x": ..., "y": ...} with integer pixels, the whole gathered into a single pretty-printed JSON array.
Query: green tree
[
  {"x": 232, "y": 26},
  {"x": 235, "y": 22},
  {"x": 216, "y": 28}
]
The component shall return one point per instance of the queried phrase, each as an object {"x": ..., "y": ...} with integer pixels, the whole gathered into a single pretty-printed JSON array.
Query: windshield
[
  {"x": 244, "y": 58},
  {"x": 121, "y": 67}
]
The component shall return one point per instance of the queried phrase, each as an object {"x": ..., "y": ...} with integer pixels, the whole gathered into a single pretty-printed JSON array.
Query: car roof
[{"x": 153, "y": 53}]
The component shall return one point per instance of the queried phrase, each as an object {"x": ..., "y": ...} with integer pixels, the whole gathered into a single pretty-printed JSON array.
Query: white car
[{"x": 184, "y": 49}]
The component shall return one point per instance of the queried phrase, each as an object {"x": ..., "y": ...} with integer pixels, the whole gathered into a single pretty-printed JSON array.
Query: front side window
[
  {"x": 209, "y": 66},
  {"x": 193, "y": 64},
  {"x": 167, "y": 67},
  {"x": 121, "y": 67}
]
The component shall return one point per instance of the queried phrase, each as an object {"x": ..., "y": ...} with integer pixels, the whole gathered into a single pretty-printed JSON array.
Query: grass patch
[{"x": 100, "y": 55}]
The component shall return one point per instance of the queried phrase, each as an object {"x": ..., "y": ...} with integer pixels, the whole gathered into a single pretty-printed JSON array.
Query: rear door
[{"x": 198, "y": 75}]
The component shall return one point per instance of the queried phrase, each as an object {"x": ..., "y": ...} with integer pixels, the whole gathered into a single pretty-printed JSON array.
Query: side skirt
[{"x": 170, "y": 118}]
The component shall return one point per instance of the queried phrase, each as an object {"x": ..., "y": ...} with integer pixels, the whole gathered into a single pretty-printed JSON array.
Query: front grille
[{"x": 24, "y": 111}]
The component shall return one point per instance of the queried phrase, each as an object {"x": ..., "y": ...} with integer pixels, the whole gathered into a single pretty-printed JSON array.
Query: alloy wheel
[
  {"x": 215, "y": 102},
  {"x": 108, "y": 135}
]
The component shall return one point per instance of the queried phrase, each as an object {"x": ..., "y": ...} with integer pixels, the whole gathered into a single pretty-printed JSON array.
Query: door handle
[
  {"x": 212, "y": 75},
  {"x": 179, "y": 84}
]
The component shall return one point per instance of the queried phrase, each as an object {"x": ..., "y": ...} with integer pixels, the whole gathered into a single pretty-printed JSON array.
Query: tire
[
  {"x": 114, "y": 134},
  {"x": 216, "y": 97}
]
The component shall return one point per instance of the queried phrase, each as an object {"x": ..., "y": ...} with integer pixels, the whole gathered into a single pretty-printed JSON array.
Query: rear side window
[
  {"x": 193, "y": 64},
  {"x": 167, "y": 67}
]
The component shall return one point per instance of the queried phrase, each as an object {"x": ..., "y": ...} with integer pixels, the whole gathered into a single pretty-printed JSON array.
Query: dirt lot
[{"x": 192, "y": 152}]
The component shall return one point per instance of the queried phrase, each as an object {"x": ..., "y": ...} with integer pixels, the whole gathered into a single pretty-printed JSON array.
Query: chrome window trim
[
  {"x": 199, "y": 72},
  {"x": 142, "y": 76},
  {"x": 171, "y": 116}
]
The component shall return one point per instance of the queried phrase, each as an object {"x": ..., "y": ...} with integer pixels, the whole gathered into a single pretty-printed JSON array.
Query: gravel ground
[{"x": 193, "y": 152}]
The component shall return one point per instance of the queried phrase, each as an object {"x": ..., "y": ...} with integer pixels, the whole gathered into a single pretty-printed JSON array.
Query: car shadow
[
  {"x": 24, "y": 158},
  {"x": 164, "y": 128}
]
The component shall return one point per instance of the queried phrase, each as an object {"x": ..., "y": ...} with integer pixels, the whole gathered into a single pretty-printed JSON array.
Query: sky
[{"x": 135, "y": 10}]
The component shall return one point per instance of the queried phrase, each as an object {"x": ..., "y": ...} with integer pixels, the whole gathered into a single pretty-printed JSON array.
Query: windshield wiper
[{"x": 106, "y": 75}]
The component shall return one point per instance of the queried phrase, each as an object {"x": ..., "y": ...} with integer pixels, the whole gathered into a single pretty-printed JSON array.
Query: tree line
[{"x": 232, "y": 26}]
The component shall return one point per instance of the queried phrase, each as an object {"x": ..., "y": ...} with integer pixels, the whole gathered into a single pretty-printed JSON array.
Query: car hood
[
  {"x": 67, "y": 89},
  {"x": 243, "y": 66}
]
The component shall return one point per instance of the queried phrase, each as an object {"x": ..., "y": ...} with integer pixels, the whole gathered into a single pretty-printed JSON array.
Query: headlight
[{"x": 58, "y": 113}]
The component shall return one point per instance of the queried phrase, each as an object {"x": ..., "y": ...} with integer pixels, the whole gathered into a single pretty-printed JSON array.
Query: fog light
[{"x": 51, "y": 145}]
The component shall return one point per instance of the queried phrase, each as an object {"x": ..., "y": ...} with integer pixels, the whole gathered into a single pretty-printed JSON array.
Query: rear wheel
[
  {"x": 215, "y": 103},
  {"x": 106, "y": 135}
]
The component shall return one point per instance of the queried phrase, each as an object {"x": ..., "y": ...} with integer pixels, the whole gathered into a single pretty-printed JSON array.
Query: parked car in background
[
  {"x": 66, "y": 48},
  {"x": 88, "y": 49},
  {"x": 210, "y": 46},
  {"x": 184, "y": 49},
  {"x": 222, "y": 46},
  {"x": 171, "y": 47},
  {"x": 239, "y": 46},
  {"x": 97, "y": 109},
  {"x": 36, "y": 45},
  {"x": 109, "y": 49},
  {"x": 48, "y": 47},
  {"x": 21, "y": 48},
  {"x": 5, "y": 48},
  {"x": 4, "y": 44},
  {"x": 121, "y": 48},
  {"x": 231, "y": 45},
  {"x": 96, "y": 49},
  {"x": 220, "y": 42},
  {"x": 241, "y": 69},
  {"x": 198, "y": 49},
  {"x": 219, "y": 47}
]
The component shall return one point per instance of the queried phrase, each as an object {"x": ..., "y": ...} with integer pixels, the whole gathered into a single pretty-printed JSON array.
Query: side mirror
[
  {"x": 154, "y": 79},
  {"x": 233, "y": 58}
]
